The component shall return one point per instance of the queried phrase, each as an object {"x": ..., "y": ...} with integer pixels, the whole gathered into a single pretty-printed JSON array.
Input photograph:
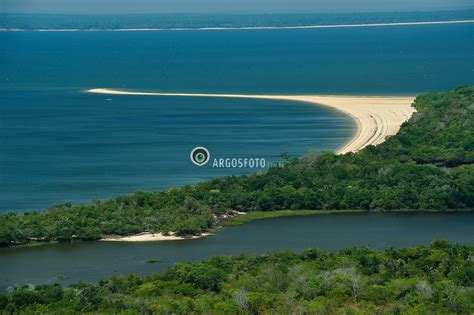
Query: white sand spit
[{"x": 377, "y": 117}]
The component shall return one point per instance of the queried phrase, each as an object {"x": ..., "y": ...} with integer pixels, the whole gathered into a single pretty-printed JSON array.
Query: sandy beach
[
  {"x": 151, "y": 237},
  {"x": 377, "y": 117}
]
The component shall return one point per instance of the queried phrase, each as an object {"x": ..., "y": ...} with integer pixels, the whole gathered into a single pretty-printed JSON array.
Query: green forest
[
  {"x": 437, "y": 279},
  {"x": 428, "y": 165}
]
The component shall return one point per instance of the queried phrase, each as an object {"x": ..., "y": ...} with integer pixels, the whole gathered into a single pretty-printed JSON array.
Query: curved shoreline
[
  {"x": 238, "y": 27},
  {"x": 376, "y": 117}
]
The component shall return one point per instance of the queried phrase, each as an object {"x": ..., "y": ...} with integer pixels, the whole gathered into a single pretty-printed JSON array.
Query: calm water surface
[
  {"x": 375, "y": 60},
  {"x": 96, "y": 260},
  {"x": 70, "y": 146},
  {"x": 58, "y": 144}
]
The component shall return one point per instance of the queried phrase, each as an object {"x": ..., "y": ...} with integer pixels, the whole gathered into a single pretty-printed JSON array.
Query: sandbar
[{"x": 376, "y": 117}]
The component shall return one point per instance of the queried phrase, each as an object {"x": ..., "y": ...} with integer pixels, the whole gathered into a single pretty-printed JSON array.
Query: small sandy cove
[
  {"x": 151, "y": 237},
  {"x": 377, "y": 117}
]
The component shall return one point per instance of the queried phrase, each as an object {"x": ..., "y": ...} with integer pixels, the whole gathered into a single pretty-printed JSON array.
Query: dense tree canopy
[
  {"x": 428, "y": 165},
  {"x": 423, "y": 280}
]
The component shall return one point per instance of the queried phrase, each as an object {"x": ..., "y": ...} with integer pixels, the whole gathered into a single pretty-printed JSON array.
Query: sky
[{"x": 226, "y": 6}]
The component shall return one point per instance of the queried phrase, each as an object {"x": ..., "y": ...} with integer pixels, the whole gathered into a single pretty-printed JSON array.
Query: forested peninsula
[{"x": 428, "y": 165}]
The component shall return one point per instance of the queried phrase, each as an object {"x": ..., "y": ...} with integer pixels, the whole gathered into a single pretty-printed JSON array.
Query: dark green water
[{"x": 92, "y": 261}]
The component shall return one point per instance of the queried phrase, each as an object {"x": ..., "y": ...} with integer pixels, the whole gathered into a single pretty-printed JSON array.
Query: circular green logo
[{"x": 200, "y": 156}]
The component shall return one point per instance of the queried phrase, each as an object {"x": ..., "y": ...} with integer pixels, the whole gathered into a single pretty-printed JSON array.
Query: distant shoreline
[
  {"x": 376, "y": 117},
  {"x": 237, "y": 27}
]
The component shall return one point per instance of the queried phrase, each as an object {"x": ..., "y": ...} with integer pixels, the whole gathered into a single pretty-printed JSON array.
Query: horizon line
[{"x": 239, "y": 27}]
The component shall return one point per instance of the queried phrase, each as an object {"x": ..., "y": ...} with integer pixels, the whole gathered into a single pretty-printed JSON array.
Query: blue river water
[{"x": 59, "y": 144}]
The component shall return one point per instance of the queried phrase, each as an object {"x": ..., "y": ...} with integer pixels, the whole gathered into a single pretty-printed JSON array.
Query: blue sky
[{"x": 226, "y": 6}]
